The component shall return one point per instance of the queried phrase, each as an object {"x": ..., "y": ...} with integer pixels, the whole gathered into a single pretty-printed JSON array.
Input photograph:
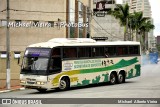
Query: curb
[{"x": 5, "y": 91}]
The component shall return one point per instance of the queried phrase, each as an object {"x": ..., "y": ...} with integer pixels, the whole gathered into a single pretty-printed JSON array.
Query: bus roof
[{"x": 80, "y": 42}]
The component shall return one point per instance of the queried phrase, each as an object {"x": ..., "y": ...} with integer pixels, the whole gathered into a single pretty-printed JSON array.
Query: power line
[
  {"x": 97, "y": 31},
  {"x": 39, "y": 11},
  {"x": 106, "y": 30}
]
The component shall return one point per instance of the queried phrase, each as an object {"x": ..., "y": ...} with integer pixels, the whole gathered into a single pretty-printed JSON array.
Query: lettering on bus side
[{"x": 107, "y": 62}]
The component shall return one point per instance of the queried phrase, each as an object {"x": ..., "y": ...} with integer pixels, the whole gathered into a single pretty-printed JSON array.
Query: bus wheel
[
  {"x": 42, "y": 90},
  {"x": 112, "y": 78},
  {"x": 121, "y": 78},
  {"x": 64, "y": 84}
]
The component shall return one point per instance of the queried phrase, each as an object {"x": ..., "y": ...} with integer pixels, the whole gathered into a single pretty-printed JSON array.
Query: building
[
  {"x": 158, "y": 40},
  {"x": 139, "y": 5},
  {"x": 104, "y": 25},
  {"x": 37, "y": 21}
]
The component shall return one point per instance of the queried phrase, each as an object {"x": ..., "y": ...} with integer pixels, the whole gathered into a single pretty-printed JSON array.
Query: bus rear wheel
[
  {"x": 113, "y": 78},
  {"x": 64, "y": 84},
  {"x": 121, "y": 78}
]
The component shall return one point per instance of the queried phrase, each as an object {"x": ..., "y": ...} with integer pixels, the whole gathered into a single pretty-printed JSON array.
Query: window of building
[
  {"x": 51, "y": 23},
  {"x": 17, "y": 54},
  {"x": 3, "y": 54},
  {"x": 3, "y": 22},
  {"x": 18, "y": 21}
]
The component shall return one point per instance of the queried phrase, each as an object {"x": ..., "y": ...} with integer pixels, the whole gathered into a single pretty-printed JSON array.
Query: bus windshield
[
  {"x": 35, "y": 61},
  {"x": 35, "y": 65}
]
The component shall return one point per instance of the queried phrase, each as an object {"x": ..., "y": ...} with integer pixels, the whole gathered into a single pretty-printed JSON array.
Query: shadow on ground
[{"x": 81, "y": 87}]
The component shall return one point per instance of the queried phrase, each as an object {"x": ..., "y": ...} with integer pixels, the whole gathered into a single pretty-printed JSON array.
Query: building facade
[
  {"x": 104, "y": 25},
  {"x": 37, "y": 21},
  {"x": 158, "y": 39},
  {"x": 139, "y": 5}
]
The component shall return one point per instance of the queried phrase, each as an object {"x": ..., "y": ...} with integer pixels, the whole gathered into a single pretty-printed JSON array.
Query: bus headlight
[{"x": 22, "y": 81}]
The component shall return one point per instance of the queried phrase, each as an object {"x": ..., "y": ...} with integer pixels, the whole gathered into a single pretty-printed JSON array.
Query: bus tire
[
  {"x": 42, "y": 90},
  {"x": 64, "y": 84},
  {"x": 121, "y": 78},
  {"x": 113, "y": 78}
]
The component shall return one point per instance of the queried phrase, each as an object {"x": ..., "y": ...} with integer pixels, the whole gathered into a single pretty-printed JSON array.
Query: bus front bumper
[{"x": 34, "y": 85}]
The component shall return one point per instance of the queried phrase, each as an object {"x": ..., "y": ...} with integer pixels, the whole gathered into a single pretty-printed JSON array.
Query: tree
[
  {"x": 137, "y": 24},
  {"x": 122, "y": 14},
  {"x": 131, "y": 24},
  {"x": 144, "y": 28},
  {"x": 139, "y": 21}
]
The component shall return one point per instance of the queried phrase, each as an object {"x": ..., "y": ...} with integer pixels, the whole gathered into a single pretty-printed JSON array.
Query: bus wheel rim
[
  {"x": 62, "y": 84},
  {"x": 120, "y": 77},
  {"x": 113, "y": 79}
]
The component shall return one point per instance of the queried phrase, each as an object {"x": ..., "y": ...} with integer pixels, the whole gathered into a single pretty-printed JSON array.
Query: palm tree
[
  {"x": 139, "y": 21},
  {"x": 141, "y": 25},
  {"x": 144, "y": 28},
  {"x": 131, "y": 25},
  {"x": 122, "y": 14},
  {"x": 135, "y": 21}
]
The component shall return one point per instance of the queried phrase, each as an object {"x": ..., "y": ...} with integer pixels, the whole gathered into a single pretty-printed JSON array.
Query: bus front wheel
[
  {"x": 113, "y": 78},
  {"x": 64, "y": 84}
]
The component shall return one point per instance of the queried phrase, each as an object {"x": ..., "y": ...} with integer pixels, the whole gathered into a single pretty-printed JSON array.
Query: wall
[{"x": 20, "y": 37}]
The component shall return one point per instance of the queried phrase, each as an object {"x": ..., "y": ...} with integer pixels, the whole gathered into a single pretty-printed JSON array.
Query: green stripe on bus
[{"x": 120, "y": 64}]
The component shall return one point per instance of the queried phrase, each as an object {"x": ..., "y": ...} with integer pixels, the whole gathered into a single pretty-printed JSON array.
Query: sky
[{"x": 155, "y": 8}]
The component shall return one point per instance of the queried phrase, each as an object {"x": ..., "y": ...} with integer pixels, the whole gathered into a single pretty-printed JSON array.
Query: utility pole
[
  {"x": 76, "y": 32},
  {"x": 8, "y": 49},
  {"x": 112, "y": 8},
  {"x": 68, "y": 18},
  {"x": 89, "y": 18},
  {"x": 84, "y": 21}
]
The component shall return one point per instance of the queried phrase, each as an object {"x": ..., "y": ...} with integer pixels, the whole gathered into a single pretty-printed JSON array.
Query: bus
[{"x": 61, "y": 63}]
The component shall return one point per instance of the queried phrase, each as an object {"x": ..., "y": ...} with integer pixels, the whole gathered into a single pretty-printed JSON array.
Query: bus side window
[
  {"x": 56, "y": 52},
  {"x": 123, "y": 50},
  {"x": 84, "y": 52},
  {"x": 133, "y": 50},
  {"x": 55, "y": 63},
  {"x": 69, "y": 52},
  {"x": 93, "y": 52},
  {"x": 106, "y": 53},
  {"x": 110, "y": 51}
]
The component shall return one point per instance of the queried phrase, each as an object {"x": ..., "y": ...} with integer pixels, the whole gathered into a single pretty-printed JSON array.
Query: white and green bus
[{"x": 62, "y": 63}]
